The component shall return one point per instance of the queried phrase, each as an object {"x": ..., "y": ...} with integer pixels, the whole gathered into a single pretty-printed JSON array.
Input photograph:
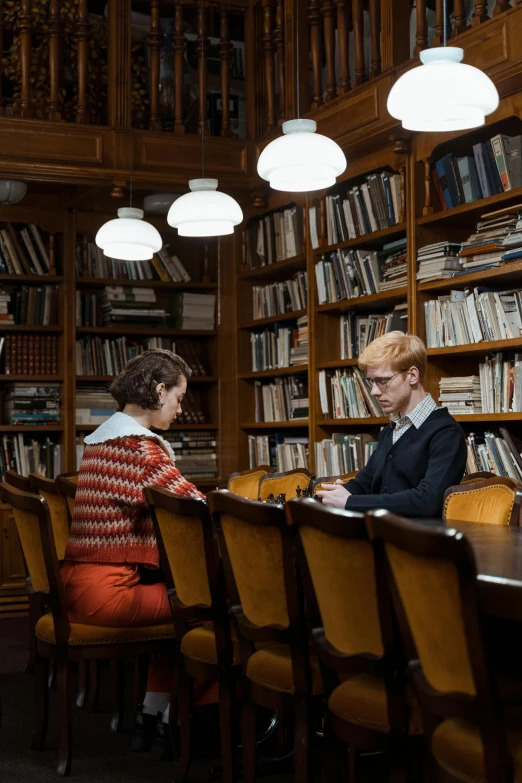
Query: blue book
[
  {"x": 385, "y": 177},
  {"x": 439, "y": 164}
]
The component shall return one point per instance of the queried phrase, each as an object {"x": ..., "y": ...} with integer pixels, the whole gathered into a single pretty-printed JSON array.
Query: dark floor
[{"x": 99, "y": 756}]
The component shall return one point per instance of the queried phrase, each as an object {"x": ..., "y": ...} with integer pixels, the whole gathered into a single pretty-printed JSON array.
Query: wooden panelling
[
  {"x": 161, "y": 151},
  {"x": 45, "y": 141}
]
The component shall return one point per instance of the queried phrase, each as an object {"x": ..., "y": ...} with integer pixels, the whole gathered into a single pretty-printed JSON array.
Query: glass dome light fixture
[
  {"x": 443, "y": 94},
  {"x": 128, "y": 237},
  {"x": 301, "y": 160}
]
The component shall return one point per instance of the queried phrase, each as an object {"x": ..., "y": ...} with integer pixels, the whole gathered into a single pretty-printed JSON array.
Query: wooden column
[
  {"x": 268, "y": 50},
  {"x": 439, "y": 23},
  {"x": 225, "y": 48},
  {"x": 375, "y": 28},
  {"x": 421, "y": 40},
  {"x": 179, "y": 49},
  {"x": 1, "y": 55},
  {"x": 459, "y": 18},
  {"x": 480, "y": 14},
  {"x": 501, "y": 6},
  {"x": 358, "y": 34},
  {"x": 395, "y": 46},
  {"x": 155, "y": 39},
  {"x": 118, "y": 64},
  {"x": 202, "y": 70},
  {"x": 343, "y": 42},
  {"x": 314, "y": 18},
  {"x": 24, "y": 27},
  {"x": 55, "y": 31},
  {"x": 279, "y": 40},
  {"x": 328, "y": 11},
  {"x": 427, "y": 209},
  {"x": 82, "y": 37},
  {"x": 52, "y": 255}
]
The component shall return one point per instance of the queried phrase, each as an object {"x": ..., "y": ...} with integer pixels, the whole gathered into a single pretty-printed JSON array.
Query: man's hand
[{"x": 334, "y": 495}]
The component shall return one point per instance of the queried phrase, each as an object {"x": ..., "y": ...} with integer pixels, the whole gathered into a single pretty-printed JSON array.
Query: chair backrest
[
  {"x": 48, "y": 489},
  {"x": 17, "y": 480},
  {"x": 246, "y": 482},
  {"x": 315, "y": 484},
  {"x": 284, "y": 483},
  {"x": 514, "y": 445},
  {"x": 475, "y": 478},
  {"x": 35, "y": 530},
  {"x": 66, "y": 484},
  {"x": 495, "y": 501}
]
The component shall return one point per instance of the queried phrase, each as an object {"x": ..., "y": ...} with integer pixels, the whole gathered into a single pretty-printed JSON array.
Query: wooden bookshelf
[
  {"x": 274, "y": 425},
  {"x": 298, "y": 369},
  {"x": 382, "y": 300},
  {"x": 277, "y": 271},
  {"x": 259, "y": 323},
  {"x": 375, "y": 240},
  {"x": 161, "y": 285}
]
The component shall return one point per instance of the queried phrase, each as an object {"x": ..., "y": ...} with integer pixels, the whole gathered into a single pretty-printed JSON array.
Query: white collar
[{"x": 121, "y": 425}]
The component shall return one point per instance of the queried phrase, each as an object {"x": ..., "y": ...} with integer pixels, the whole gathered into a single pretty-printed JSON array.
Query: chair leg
[
  {"x": 141, "y": 666},
  {"x": 94, "y": 686},
  {"x": 117, "y": 669},
  {"x": 301, "y": 741},
  {"x": 82, "y": 689},
  {"x": 352, "y": 764},
  {"x": 41, "y": 675},
  {"x": 184, "y": 710},
  {"x": 335, "y": 756},
  {"x": 227, "y": 689},
  {"x": 65, "y": 690},
  {"x": 35, "y": 612},
  {"x": 248, "y": 720}
]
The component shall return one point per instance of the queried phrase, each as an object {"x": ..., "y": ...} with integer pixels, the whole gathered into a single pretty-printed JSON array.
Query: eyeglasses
[{"x": 382, "y": 383}]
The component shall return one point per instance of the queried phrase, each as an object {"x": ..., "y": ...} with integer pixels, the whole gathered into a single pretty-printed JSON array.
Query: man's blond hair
[{"x": 401, "y": 351}]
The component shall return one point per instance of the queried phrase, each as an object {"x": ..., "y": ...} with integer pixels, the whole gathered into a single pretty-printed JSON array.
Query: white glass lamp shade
[
  {"x": 301, "y": 160},
  {"x": 204, "y": 212},
  {"x": 443, "y": 94},
  {"x": 128, "y": 237}
]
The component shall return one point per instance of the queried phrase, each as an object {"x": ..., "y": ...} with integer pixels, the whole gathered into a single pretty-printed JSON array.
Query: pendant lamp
[
  {"x": 204, "y": 212},
  {"x": 301, "y": 160},
  {"x": 443, "y": 94}
]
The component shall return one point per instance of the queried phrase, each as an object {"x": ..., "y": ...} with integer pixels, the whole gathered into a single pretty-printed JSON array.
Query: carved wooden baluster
[
  {"x": 279, "y": 40},
  {"x": 402, "y": 172},
  {"x": 358, "y": 34},
  {"x": 179, "y": 50},
  {"x": 421, "y": 40},
  {"x": 459, "y": 17},
  {"x": 480, "y": 14},
  {"x": 375, "y": 27},
  {"x": 501, "y": 6},
  {"x": 155, "y": 39},
  {"x": 268, "y": 48},
  {"x": 202, "y": 71},
  {"x": 82, "y": 38},
  {"x": 24, "y": 28},
  {"x": 52, "y": 255},
  {"x": 439, "y": 23},
  {"x": 428, "y": 207},
  {"x": 314, "y": 17},
  {"x": 328, "y": 10},
  {"x": 342, "y": 38},
  {"x": 55, "y": 25},
  {"x": 225, "y": 47}
]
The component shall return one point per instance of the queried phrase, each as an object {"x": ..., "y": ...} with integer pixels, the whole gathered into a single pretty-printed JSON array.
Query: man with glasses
[{"x": 420, "y": 453}]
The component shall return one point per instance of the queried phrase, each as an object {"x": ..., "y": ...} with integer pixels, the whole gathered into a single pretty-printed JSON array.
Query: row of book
[
  {"x": 27, "y": 454},
  {"x": 196, "y": 455},
  {"x": 343, "y": 453},
  {"x": 282, "y": 451},
  {"x": 165, "y": 265},
  {"x": 345, "y": 274},
  {"x": 24, "y": 404},
  {"x": 358, "y": 331},
  {"x": 29, "y": 306},
  {"x": 279, "y": 298},
  {"x": 345, "y": 394},
  {"x": 464, "y": 317},
  {"x": 29, "y": 354},
  {"x": 496, "y": 389},
  {"x": 23, "y": 250},
  {"x": 281, "y": 346},
  {"x": 494, "y": 167},
  {"x": 98, "y": 356},
  {"x": 274, "y": 237},
  {"x": 285, "y": 399},
  {"x": 493, "y": 451},
  {"x": 363, "y": 209}
]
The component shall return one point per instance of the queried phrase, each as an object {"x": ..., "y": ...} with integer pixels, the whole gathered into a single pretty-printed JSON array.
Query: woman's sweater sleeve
[{"x": 160, "y": 471}]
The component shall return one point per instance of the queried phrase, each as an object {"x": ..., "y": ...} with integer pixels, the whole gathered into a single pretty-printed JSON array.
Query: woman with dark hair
[{"x": 112, "y": 542}]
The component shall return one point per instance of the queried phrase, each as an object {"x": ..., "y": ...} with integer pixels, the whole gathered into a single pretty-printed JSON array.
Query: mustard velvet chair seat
[
  {"x": 495, "y": 501},
  {"x": 199, "y": 644},
  {"x": 246, "y": 483},
  {"x": 271, "y": 667},
  {"x": 284, "y": 483},
  {"x": 315, "y": 485}
]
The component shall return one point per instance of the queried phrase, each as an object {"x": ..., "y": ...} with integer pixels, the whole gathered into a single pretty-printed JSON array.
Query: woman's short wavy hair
[{"x": 136, "y": 384}]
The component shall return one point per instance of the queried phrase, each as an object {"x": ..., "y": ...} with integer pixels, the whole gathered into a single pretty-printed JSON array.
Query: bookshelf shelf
[
  {"x": 478, "y": 348},
  {"x": 334, "y": 364},
  {"x": 36, "y": 279},
  {"x": 27, "y": 429},
  {"x": 177, "y": 428},
  {"x": 24, "y": 328},
  {"x": 374, "y": 240},
  {"x": 382, "y": 299},
  {"x": 110, "y": 378},
  {"x": 140, "y": 332},
  {"x": 260, "y": 322},
  {"x": 366, "y": 422},
  {"x": 488, "y": 417},
  {"x": 99, "y": 282},
  {"x": 472, "y": 210},
  {"x": 506, "y": 273},
  {"x": 277, "y": 271},
  {"x": 32, "y": 379},
  {"x": 274, "y": 425},
  {"x": 299, "y": 369}
]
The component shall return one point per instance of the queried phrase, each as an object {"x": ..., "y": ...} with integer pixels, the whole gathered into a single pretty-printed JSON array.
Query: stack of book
[
  {"x": 492, "y": 452},
  {"x": 97, "y": 356},
  {"x": 393, "y": 257},
  {"x": 191, "y": 352},
  {"x": 94, "y": 404},
  {"x": 279, "y": 298},
  {"x": 464, "y": 317},
  {"x": 30, "y": 354},
  {"x": 30, "y": 455},
  {"x": 281, "y": 450},
  {"x": 371, "y": 206},
  {"x": 494, "y": 167},
  {"x": 285, "y": 399},
  {"x": 299, "y": 349},
  {"x": 345, "y": 394},
  {"x": 192, "y": 312},
  {"x": 358, "y": 331},
  {"x": 130, "y": 305},
  {"x": 31, "y": 405},
  {"x": 23, "y": 251},
  {"x": 195, "y": 452},
  {"x": 345, "y": 274},
  {"x": 438, "y": 260},
  {"x": 165, "y": 265},
  {"x": 191, "y": 410},
  {"x": 34, "y": 306},
  {"x": 461, "y": 395},
  {"x": 484, "y": 249},
  {"x": 501, "y": 384},
  {"x": 343, "y": 453},
  {"x": 6, "y": 318},
  {"x": 274, "y": 237}
]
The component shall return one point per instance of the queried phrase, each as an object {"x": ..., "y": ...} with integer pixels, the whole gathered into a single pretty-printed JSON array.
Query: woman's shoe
[
  {"x": 161, "y": 745},
  {"x": 143, "y": 731}
]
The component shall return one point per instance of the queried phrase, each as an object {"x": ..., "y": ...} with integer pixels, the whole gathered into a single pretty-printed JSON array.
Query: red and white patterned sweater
[{"x": 111, "y": 523}]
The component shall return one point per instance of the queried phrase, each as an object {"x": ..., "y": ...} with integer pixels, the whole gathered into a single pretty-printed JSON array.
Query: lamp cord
[
  {"x": 204, "y": 118},
  {"x": 445, "y": 22},
  {"x": 297, "y": 58},
  {"x": 131, "y": 151}
]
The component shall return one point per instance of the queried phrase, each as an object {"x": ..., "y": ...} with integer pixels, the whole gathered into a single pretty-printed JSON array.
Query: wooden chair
[
  {"x": 59, "y": 639},
  {"x": 315, "y": 484},
  {"x": 48, "y": 489},
  {"x": 246, "y": 482},
  {"x": 435, "y": 575},
  {"x": 284, "y": 483},
  {"x": 66, "y": 484},
  {"x": 514, "y": 445},
  {"x": 370, "y": 707},
  {"x": 258, "y": 557},
  {"x": 194, "y": 577},
  {"x": 481, "y": 475},
  {"x": 495, "y": 501},
  {"x": 17, "y": 480}
]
